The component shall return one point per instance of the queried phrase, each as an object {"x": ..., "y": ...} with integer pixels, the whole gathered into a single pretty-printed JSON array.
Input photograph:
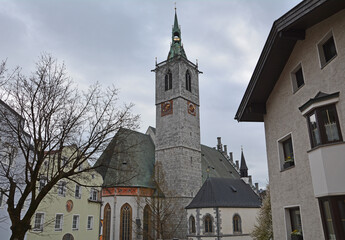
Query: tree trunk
[{"x": 19, "y": 231}]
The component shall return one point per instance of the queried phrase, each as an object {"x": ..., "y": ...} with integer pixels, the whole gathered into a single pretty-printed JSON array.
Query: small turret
[
  {"x": 243, "y": 168},
  {"x": 176, "y": 48}
]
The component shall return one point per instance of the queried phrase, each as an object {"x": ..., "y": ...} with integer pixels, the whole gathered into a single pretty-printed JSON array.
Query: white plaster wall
[
  {"x": 248, "y": 219},
  {"x": 294, "y": 186}
]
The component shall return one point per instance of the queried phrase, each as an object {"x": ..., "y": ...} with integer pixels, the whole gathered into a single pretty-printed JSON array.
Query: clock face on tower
[
  {"x": 191, "y": 108},
  {"x": 167, "y": 108}
]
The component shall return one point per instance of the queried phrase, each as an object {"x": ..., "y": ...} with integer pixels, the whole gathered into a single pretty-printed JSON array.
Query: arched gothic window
[
  {"x": 208, "y": 224},
  {"x": 126, "y": 222},
  {"x": 106, "y": 222},
  {"x": 191, "y": 224},
  {"x": 188, "y": 81},
  {"x": 68, "y": 236},
  {"x": 236, "y": 220},
  {"x": 147, "y": 226},
  {"x": 168, "y": 81}
]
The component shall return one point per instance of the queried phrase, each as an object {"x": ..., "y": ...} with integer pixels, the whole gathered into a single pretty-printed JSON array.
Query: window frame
[
  {"x": 320, "y": 125},
  {"x": 320, "y": 46},
  {"x": 61, "y": 188},
  {"x": 76, "y": 226},
  {"x": 192, "y": 229},
  {"x": 128, "y": 226},
  {"x": 168, "y": 81},
  {"x": 39, "y": 228},
  {"x": 92, "y": 192},
  {"x": 91, "y": 222},
  {"x": 237, "y": 225},
  {"x": 208, "y": 224},
  {"x": 284, "y": 162},
  {"x": 106, "y": 222},
  {"x": 294, "y": 78},
  {"x": 188, "y": 77},
  {"x": 79, "y": 191},
  {"x": 61, "y": 222}
]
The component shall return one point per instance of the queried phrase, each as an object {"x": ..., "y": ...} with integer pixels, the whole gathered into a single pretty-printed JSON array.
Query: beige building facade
[
  {"x": 70, "y": 211},
  {"x": 302, "y": 104}
]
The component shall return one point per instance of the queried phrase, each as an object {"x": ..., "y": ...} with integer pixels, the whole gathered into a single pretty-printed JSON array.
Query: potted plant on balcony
[
  {"x": 288, "y": 162},
  {"x": 296, "y": 235}
]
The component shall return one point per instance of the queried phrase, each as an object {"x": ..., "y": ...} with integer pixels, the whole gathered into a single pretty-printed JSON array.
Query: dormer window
[
  {"x": 188, "y": 81},
  {"x": 168, "y": 81}
]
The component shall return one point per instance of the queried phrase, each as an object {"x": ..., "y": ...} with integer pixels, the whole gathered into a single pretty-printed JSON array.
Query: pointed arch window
[
  {"x": 168, "y": 81},
  {"x": 106, "y": 222},
  {"x": 147, "y": 226},
  {"x": 126, "y": 222},
  {"x": 208, "y": 224},
  {"x": 236, "y": 220},
  {"x": 188, "y": 81},
  {"x": 191, "y": 224}
]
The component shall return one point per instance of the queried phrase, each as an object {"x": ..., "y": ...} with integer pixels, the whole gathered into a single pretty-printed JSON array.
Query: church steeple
[
  {"x": 243, "y": 168},
  {"x": 176, "y": 48}
]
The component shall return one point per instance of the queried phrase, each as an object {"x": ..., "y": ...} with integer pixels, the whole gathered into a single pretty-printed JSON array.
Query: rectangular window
[
  {"x": 43, "y": 182},
  {"x": 62, "y": 188},
  {"x": 89, "y": 222},
  {"x": 75, "y": 223},
  {"x": 324, "y": 126},
  {"x": 333, "y": 216},
  {"x": 58, "y": 222},
  {"x": 39, "y": 218},
  {"x": 93, "y": 194},
  {"x": 286, "y": 152},
  {"x": 295, "y": 222},
  {"x": 1, "y": 198},
  {"x": 297, "y": 78},
  {"x": 327, "y": 49},
  {"x": 77, "y": 191}
]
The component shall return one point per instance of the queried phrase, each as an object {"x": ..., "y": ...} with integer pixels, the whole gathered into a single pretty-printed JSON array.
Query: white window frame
[
  {"x": 91, "y": 222},
  {"x": 319, "y": 46},
  {"x": 61, "y": 188},
  {"x": 61, "y": 222},
  {"x": 92, "y": 191},
  {"x": 288, "y": 227},
  {"x": 281, "y": 156},
  {"x": 40, "y": 227},
  {"x": 295, "y": 88},
  {"x": 75, "y": 192},
  {"x": 77, "y": 223}
]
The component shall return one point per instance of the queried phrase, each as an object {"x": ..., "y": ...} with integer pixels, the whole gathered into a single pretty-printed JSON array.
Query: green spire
[{"x": 176, "y": 48}]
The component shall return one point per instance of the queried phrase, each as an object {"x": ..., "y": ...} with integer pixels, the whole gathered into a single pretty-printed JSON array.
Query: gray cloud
[{"x": 116, "y": 42}]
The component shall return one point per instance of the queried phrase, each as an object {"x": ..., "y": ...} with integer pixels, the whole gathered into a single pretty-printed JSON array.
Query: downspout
[
  {"x": 114, "y": 216},
  {"x": 218, "y": 225}
]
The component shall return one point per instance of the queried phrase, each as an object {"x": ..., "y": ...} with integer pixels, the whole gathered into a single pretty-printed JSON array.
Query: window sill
[
  {"x": 325, "y": 145},
  {"x": 94, "y": 201},
  {"x": 288, "y": 168}
]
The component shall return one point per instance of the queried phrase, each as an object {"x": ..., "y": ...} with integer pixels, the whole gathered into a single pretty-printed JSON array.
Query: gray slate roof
[
  {"x": 217, "y": 163},
  {"x": 128, "y": 160},
  {"x": 225, "y": 192}
]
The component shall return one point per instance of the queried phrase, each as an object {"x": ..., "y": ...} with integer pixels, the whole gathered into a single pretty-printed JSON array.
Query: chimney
[
  {"x": 219, "y": 145},
  {"x": 231, "y": 157},
  {"x": 237, "y": 164},
  {"x": 226, "y": 150},
  {"x": 257, "y": 187},
  {"x": 250, "y": 180}
]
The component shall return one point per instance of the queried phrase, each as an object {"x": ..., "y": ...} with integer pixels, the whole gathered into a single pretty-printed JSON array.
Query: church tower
[{"x": 177, "y": 146}]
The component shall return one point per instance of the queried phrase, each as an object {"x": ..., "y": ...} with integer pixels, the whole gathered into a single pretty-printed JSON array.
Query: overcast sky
[{"x": 116, "y": 42}]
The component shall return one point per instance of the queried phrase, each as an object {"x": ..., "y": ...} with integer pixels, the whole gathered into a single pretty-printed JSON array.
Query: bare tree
[
  {"x": 160, "y": 210},
  {"x": 52, "y": 114},
  {"x": 263, "y": 228}
]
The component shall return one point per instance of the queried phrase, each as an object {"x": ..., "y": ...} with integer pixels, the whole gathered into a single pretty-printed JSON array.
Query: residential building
[
  {"x": 71, "y": 210},
  {"x": 297, "y": 90}
]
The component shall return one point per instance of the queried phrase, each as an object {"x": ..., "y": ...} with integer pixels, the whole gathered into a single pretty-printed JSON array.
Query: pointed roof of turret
[
  {"x": 243, "y": 162},
  {"x": 176, "y": 48}
]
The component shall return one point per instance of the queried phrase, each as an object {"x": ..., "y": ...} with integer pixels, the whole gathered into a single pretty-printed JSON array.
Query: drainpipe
[{"x": 218, "y": 225}]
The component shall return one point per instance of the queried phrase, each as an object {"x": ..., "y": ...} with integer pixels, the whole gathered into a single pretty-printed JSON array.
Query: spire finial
[{"x": 175, "y": 7}]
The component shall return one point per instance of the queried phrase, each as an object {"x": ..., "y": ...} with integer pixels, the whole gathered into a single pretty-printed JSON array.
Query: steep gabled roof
[
  {"x": 215, "y": 164},
  {"x": 128, "y": 160},
  {"x": 225, "y": 192},
  {"x": 285, "y": 32}
]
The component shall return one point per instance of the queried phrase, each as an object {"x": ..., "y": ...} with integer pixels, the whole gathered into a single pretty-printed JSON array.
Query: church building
[{"x": 150, "y": 178}]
